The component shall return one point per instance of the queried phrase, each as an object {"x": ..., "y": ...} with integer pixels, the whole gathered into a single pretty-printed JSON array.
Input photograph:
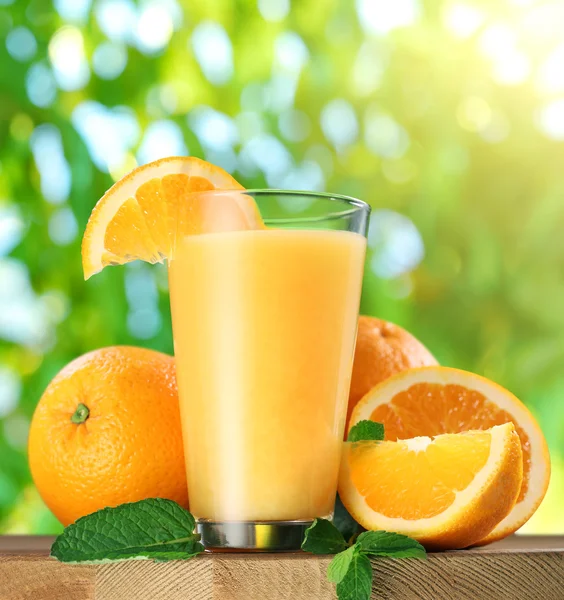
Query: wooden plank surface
[{"x": 519, "y": 568}]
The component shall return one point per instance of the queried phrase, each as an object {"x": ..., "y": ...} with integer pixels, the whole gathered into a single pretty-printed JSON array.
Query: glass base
[{"x": 252, "y": 536}]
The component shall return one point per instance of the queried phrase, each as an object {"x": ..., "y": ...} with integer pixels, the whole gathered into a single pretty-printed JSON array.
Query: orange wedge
[
  {"x": 435, "y": 400},
  {"x": 446, "y": 492},
  {"x": 141, "y": 215}
]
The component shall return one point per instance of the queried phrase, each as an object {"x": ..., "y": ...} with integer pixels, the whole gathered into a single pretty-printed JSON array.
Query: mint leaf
[
  {"x": 366, "y": 430},
  {"x": 154, "y": 528},
  {"x": 343, "y": 520},
  {"x": 357, "y": 583},
  {"x": 322, "y": 537},
  {"x": 384, "y": 543},
  {"x": 339, "y": 566}
]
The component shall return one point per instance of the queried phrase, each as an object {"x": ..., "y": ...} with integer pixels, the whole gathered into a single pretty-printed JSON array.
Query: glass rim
[{"x": 352, "y": 205}]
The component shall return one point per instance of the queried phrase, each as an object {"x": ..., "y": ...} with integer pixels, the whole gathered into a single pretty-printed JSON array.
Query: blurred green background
[{"x": 447, "y": 116}]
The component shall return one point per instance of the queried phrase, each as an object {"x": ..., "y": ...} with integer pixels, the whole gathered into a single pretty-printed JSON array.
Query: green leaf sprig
[
  {"x": 351, "y": 570},
  {"x": 366, "y": 430},
  {"x": 154, "y": 528}
]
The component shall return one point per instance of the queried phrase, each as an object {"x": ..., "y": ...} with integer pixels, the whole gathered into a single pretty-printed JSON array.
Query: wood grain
[
  {"x": 519, "y": 568},
  {"x": 38, "y": 578}
]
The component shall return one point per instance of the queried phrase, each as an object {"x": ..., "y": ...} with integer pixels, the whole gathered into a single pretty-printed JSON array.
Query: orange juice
[{"x": 264, "y": 327}]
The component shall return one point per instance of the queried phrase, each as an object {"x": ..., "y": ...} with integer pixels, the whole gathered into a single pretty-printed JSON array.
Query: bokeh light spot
[
  {"x": 73, "y": 11},
  {"x": 497, "y": 40},
  {"x": 21, "y": 44},
  {"x": 462, "y": 19},
  {"x": 551, "y": 73},
  {"x": 213, "y": 51},
  {"x": 162, "y": 100},
  {"x": 274, "y": 10},
  {"x": 384, "y": 136},
  {"x": 40, "y": 85},
  {"x": 551, "y": 120},
  {"x": 268, "y": 154},
  {"x": 10, "y": 390},
  {"x": 294, "y": 125},
  {"x": 144, "y": 323},
  {"x": 116, "y": 18},
  {"x": 109, "y": 60},
  {"x": 63, "y": 227},
  {"x": 144, "y": 319},
  {"x": 140, "y": 287},
  {"x": 23, "y": 319},
  {"x": 225, "y": 158},
  {"x": 21, "y": 127},
  {"x": 162, "y": 138},
  {"x": 281, "y": 91},
  {"x": 47, "y": 148},
  {"x": 369, "y": 67},
  {"x": 154, "y": 28},
  {"x": 16, "y": 430},
  {"x": 396, "y": 244},
  {"x": 339, "y": 123},
  {"x": 58, "y": 306},
  {"x": 290, "y": 52},
  {"x": 11, "y": 228},
  {"x": 512, "y": 68},
  {"x": 254, "y": 97},
  {"x": 108, "y": 133},
  {"x": 214, "y": 129},
  {"x": 250, "y": 124},
  {"x": 66, "y": 51},
  {"x": 306, "y": 176},
  {"x": 382, "y": 16},
  {"x": 128, "y": 163}
]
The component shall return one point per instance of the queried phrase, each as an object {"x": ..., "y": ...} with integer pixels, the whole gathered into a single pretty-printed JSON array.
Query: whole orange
[
  {"x": 107, "y": 431},
  {"x": 382, "y": 350}
]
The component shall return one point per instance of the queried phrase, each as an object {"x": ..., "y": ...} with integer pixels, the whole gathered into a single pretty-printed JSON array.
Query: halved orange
[
  {"x": 435, "y": 400},
  {"x": 141, "y": 215},
  {"x": 446, "y": 492}
]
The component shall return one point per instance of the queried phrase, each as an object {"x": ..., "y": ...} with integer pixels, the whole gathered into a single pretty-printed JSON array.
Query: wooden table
[{"x": 519, "y": 568}]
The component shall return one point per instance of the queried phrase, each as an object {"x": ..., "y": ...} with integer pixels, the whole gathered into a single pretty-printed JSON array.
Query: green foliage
[
  {"x": 154, "y": 528},
  {"x": 437, "y": 134}
]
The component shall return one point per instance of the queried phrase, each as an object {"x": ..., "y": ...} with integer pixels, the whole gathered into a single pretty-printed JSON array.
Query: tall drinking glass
[{"x": 264, "y": 326}]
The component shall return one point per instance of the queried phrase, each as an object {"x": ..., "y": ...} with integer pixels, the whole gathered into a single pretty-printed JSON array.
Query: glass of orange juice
[{"x": 264, "y": 324}]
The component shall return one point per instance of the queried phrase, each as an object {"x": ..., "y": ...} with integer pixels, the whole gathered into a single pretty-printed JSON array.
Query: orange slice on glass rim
[
  {"x": 446, "y": 492},
  {"x": 435, "y": 400},
  {"x": 141, "y": 216}
]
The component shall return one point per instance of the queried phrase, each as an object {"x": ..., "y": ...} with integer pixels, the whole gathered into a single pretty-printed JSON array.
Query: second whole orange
[
  {"x": 107, "y": 431},
  {"x": 382, "y": 350}
]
